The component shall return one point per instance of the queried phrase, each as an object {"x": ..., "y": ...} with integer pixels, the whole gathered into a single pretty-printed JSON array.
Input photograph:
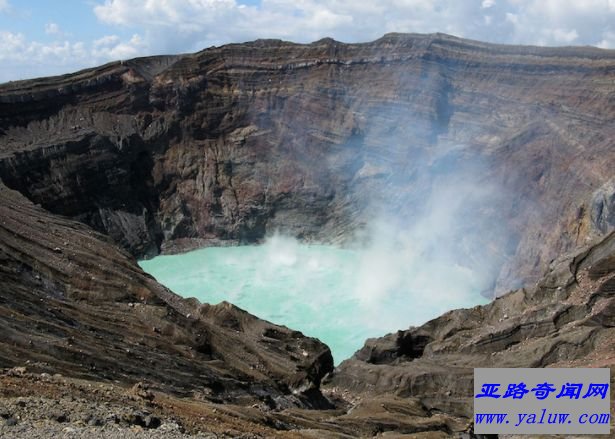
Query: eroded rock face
[
  {"x": 317, "y": 140},
  {"x": 72, "y": 302}
]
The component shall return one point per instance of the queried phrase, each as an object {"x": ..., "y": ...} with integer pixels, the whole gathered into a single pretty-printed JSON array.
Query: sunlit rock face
[{"x": 501, "y": 153}]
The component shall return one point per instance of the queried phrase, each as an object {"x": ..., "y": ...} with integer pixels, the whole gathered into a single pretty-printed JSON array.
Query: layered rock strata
[
  {"x": 231, "y": 143},
  {"x": 136, "y": 157}
]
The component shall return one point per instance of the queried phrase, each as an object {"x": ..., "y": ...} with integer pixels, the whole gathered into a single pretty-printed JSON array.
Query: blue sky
[{"x": 40, "y": 37}]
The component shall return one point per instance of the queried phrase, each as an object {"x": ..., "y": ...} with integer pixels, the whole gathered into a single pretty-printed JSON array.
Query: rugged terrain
[
  {"x": 315, "y": 140},
  {"x": 136, "y": 157}
]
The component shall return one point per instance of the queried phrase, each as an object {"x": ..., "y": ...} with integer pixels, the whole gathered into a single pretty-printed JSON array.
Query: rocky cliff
[
  {"x": 231, "y": 143},
  {"x": 73, "y": 302}
]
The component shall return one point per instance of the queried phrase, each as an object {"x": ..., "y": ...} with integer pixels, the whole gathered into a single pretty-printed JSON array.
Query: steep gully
[{"x": 229, "y": 144}]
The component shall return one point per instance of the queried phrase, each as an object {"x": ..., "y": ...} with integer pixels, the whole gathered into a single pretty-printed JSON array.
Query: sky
[{"x": 45, "y": 37}]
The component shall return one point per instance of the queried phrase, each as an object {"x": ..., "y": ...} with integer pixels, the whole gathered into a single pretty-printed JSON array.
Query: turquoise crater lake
[{"x": 341, "y": 296}]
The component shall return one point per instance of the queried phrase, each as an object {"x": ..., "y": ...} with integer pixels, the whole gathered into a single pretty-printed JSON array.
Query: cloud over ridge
[{"x": 144, "y": 27}]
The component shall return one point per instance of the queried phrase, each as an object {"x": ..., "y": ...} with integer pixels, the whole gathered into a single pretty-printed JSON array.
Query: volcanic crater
[{"x": 165, "y": 154}]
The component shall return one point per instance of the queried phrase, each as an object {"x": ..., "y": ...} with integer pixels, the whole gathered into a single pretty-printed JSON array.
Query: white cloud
[
  {"x": 608, "y": 40},
  {"x": 564, "y": 36},
  {"x": 111, "y": 47},
  {"x": 52, "y": 29},
  {"x": 4, "y": 5},
  {"x": 22, "y": 58},
  {"x": 184, "y": 25},
  {"x": 187, "y": 14},
  {"x": 9, "y": 44},
  {"x": 105, "y": 41},
  {"x": 561, "y": 22},
  {"x": 173, "y": 26},
  {"x": 512, "y": 18}
]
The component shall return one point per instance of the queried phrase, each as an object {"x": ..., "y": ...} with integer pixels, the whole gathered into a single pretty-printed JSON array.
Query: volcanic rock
[
  {"x": 231, "y": 143},
  {"x": 227, "y": 145},
  {"x": 69, "y": 312}
]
